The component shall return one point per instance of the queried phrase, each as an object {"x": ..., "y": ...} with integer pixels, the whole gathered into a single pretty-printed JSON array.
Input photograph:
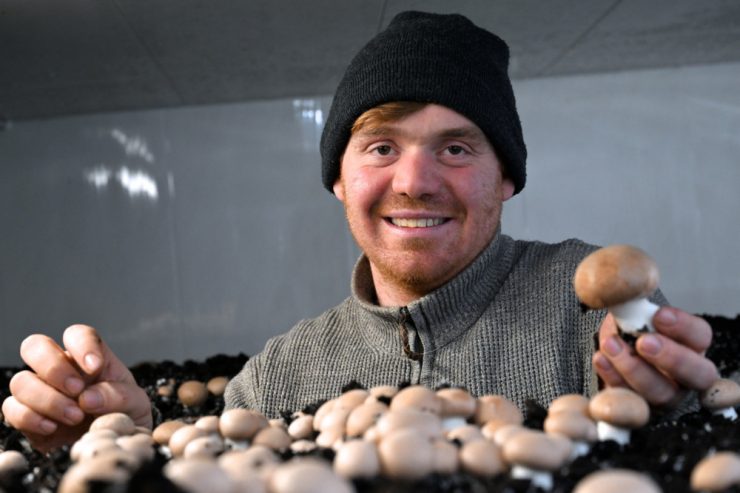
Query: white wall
[{"x": 189, "y": 232}]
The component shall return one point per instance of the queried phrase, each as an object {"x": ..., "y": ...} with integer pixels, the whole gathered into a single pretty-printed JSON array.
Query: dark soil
[{"x": 665, "y": 450}]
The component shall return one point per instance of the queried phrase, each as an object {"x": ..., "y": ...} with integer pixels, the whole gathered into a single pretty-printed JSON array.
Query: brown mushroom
[
  {"x": 120, "y": 423},
  {"x": 12, "y": 463},
  {"x": 357, "y": 459},
  {"x": 570, "y": 402},
  {"x": 111, "y": 468},
  {"x": 533, "y": 455},
  {"x": 239, "y": 425},
  {"x": 457, "y": 402},
  {"x": 301, "y": 427},
  {"x": 574, "y": 425},
  {"x": 192, "y": 393},
  {"x": 307, "y": 476},
  {"x": 722, "y": 397},
  {"x": 272, "y": 437},
  {"x": 351, "y": 399},
  {"x": 616, "y": 481},
  {"x": 445, "y": 457},
  {"x": 427, "y": 424},
  {"x": 182, "y": 436},
  {"x": 466, "y": 433},
  {"x": 406, "y": 454},
  {"x": 164, "y": 431},
  {"x": 209, "y": 424},
  {"x": 417, "y": 397},
  {"x": 140, "y": 444},
  {"x": 497, "y": 407},
  {"x": 363, "y": 417},
  {"x": 198, "y": 476},
  {"x": 217, "y": 385},
  {"x": 717, "y": 472},
  {"x": 257, "y": 460},
  {"x": 482, "y": 458},
  {"x": 618, "y": 410},
  {"x": 204, "y": 447},
  {"x": 620, "y": 278}
]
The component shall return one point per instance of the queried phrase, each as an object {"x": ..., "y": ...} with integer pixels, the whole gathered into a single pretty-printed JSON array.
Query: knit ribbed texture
[
  {"x": 432, "y": 58},
  {"x": 509, "y": 324}
]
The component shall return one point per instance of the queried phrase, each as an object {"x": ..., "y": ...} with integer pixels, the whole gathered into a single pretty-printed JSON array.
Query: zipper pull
[{"x": 404, "y": 320}]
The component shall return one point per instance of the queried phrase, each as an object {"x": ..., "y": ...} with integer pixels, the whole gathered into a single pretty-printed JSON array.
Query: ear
[
  {"x": 339, "y": 189},
  {"x": 507, "y": 188}
]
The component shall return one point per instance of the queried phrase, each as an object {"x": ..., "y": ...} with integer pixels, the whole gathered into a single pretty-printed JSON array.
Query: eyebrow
[{"x": 464, "y": 132}]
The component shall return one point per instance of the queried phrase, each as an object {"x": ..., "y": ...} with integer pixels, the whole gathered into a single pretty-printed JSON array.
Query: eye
[
  {"x": 382, "y": 149},
  {"x": 455, "y": 150}
]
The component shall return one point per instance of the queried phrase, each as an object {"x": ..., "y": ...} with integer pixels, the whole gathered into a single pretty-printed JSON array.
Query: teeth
[{"x": 417, "y": 223}]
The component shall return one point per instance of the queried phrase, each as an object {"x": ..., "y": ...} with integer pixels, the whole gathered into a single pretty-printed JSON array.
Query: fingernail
[
  {"x": 602, "y": 363},
  {"x": 666, "y": 316},
  {"x": 91, "y": 399},
  {"x": 74, "y": 385},
  {"x": 649, "y": 344},
  {"x": 92, "y": 362},
  {"x": 47, "y": 427},
  {"x": 73, "y": 414},
  {"x": 613, "y": 346}
]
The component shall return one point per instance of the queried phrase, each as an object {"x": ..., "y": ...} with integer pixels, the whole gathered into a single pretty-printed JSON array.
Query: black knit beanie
[{"x": 433, "y": 58}]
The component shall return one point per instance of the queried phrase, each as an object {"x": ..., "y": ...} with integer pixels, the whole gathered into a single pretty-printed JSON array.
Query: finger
[
  {"x": 642, "y": 377},
  {"x": 109, "y": 397},
  {"x": 43, "y": 399},
  {"x": 25, "y": 419},
  {"x": 52, "y": 364},
  {"x": 607, "y": 329},
  {"x": 689, "y": 330},
  {"x": 92, "y": 354},
  {"x": 678, "y": 362},
  {"x": 85, "y": 346},
  {"x": 608, "y": 374}
]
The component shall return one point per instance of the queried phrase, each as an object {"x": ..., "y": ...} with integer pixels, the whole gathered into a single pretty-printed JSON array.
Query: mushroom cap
[
  {"x": 321, "y": 412},
  {"x": 406, "y": 454},
  {"x": 571, "y": 424},
  {"x": 382, "y": 391},
  {"x": 307, "y": 476},
  {"x": 497, "y": 407},
  {"x": 457, "y": 402},
  {"x": 208, "y": 423},
  {"x": 500, "y": 431},
  {"x": 614, "y": 275},
  {"x": 113, "y": 467},
  {"x": 301, "y": 427},
  {"x": 537, "y": 450},
  {"x": 364, "y": 416},
  {"x": 417, "y": 397},
  {"x": 164, "y": 431},
  {"x": 255, "y": 460},
  {"x": 272, "y": 437},
  {"x": 198, "y": 476},
  {"x": 616, "y": 481},
  {"x": 182, "y": 436},
  {"x": 92, "y": 446},
  {"x": 192, "y": 393},
  {"x": 241, "y": 424},
  {"x": 717, "y": 472},
  {"x": 482, "y": 458},
  {"x": 121, "y": 423},
  {"x": 446, "y": 458},
  {"x": 721, "y": 394},
  {"x": 571, "y": 402},
  {"x": 12, "y": 461},
  {"x": 620, "y": 407},
  {"x": 140, "y": 444},
  {"x": 357, "y": 459},
  {"x": 427, "y": 424},
  {"x": 465, "y": 434},
  {"x": 205, "y": 447},
  {"x": 217, "y": 385},
  {"x": 351, "y": 399}
]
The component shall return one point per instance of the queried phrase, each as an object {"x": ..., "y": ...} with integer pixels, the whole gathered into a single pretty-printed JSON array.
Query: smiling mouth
[{"x": 416, "y": 223}]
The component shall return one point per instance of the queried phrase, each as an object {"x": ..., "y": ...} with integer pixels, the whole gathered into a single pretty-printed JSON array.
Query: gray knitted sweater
[{"x": 509, "y": 324}]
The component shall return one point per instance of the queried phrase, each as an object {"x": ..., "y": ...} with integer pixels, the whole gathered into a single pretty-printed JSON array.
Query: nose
[{"x": 416, "y": 175}]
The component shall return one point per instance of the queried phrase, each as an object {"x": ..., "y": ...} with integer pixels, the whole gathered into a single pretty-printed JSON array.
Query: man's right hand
[{"x": 68, "y": 387}]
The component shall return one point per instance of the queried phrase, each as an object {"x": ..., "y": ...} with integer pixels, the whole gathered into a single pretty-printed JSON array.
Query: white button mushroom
[
  {"x": 616, "y": 481},
  {"x": 618, "y": 410},
  {"x": 722, "y": 397},
  {"x": 717, "y": 472},
  {"x": 533, "y": 455},
  {"x": 619, "y": 278}
]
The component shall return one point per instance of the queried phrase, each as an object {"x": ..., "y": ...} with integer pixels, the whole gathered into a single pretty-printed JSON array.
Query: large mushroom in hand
[{"x": 619, "y": 278}]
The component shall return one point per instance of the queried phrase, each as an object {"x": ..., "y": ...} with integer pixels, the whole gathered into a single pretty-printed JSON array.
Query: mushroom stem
[
  {"x": 580, "y": 448},
  {"x": 539, "y": 478},
  {"x": 635, "y": 315},
  {"x": 727, "y": 412},
  {"x": 611, "y": 432}
]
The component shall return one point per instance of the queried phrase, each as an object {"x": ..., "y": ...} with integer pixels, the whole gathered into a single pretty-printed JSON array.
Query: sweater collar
[{"x": 447, "y": 312}]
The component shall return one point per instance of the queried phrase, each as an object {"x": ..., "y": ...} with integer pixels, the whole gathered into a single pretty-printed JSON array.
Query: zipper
[{"x": 404, "y": 323}]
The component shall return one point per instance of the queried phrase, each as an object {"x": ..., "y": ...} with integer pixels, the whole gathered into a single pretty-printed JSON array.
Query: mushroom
[
  {"x": 120, "y": 423},
  {"x": 351, "y": 399},
  {"x": 426, "y": 424},
  {"x": 574, "y": 425},
  {"x": 209, "y": 424},
  {"x": 497, "y": 407},
  {"x": 717, "y": 472},
  {"x": 533, "y": 455},
  {"x": 616, "y": 481},
  {"x": 619, "y": 278},
  {"x": 303, "y": 446},
  {"x": 457, "y": 406},
  {"x": 363, "y": 417},
  {"x": 198, "y": 476},
  {"x": 163, "y": 433},
  {"x": 192, "y": 393},
  {"x": 257, "y": 460},
  {"x": 417, "y": 397},
  {"x": 570, "y": 402},
  {"x": 12, "y": 463},
  {"x": 357, "y": 459},
  {"x": 91, "y": 446},
  {"x": 272, "y": 437},
  {"x": 445, "y": 457},
  {"x": 482, "y": 458},
  {"x": 307, "y": 476},
  {"x": 466, "y": 433},
  {"x": 111, "y": 468},
  {"x": 204, "y": 447},
  {"x": 301, "y": 427},
  {"x": 239, "y": 425},
  {"x": 139, "y": 444},
  {"x": 182, "y": 436},
  {"x": 722, "y": 397},
  {"x": 406, "y": 454},
  {"x": 618, "y": 410},
  {"x": 217, "y": 385}
]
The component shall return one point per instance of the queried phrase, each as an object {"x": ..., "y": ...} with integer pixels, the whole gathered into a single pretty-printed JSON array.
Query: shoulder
[{"x": 568, "y": 253}]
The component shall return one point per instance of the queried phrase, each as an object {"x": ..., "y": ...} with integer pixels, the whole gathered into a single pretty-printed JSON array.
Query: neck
[{"x": 389, "y": 293}]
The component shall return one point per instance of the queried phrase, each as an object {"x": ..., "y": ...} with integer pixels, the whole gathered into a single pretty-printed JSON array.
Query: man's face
[{"x": 423, "y": 198}]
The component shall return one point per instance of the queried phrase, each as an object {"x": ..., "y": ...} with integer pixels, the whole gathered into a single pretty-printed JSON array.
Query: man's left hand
[{"x": 663, "y": 364}]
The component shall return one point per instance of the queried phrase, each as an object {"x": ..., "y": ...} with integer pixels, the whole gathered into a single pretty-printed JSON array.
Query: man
[{"x": 422, "y": 146}]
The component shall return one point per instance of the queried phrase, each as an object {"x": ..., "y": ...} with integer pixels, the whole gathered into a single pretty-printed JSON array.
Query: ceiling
[{"x": 83, "y": 56}]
